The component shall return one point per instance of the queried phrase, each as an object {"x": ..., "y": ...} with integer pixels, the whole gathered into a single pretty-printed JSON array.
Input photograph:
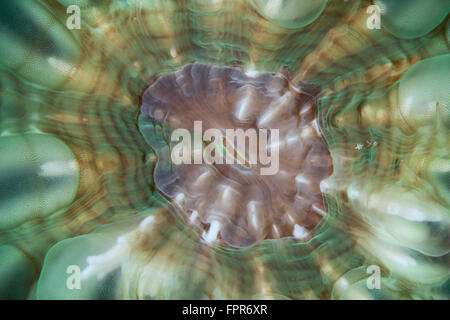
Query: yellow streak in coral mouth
[{"x": 231, "y": 151}]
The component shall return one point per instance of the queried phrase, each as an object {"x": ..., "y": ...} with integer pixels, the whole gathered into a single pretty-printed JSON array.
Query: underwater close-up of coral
[{"x": 225, "y": 149}]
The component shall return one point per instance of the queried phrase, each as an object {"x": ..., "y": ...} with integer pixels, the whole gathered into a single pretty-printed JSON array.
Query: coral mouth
[{"x": 234, "y": 204}]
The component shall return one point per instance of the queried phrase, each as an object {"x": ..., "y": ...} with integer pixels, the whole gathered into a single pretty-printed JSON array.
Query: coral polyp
[{"x": 118, "y": 118}]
